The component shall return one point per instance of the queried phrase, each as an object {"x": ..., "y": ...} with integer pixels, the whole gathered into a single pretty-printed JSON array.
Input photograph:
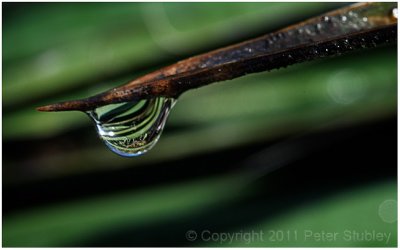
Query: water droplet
[
  {"x": 344, "y": 18},
  {"x": 394, "y": 13},
  {"x": 132, "y": 128}
]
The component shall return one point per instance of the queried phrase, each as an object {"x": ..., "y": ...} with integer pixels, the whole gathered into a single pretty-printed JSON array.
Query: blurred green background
[{"x": 308, "y": 148}]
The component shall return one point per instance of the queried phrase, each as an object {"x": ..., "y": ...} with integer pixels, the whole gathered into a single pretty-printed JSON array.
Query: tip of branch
[
  {"x": 46, "y": 108},
  {"x": 61, "y": 106}
]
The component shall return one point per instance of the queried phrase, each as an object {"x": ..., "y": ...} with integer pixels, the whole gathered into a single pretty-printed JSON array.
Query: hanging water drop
[{"x": 132, "y": 128}]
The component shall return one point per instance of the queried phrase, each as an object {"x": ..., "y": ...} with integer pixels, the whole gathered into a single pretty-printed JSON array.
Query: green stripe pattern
[{"x": 132, "y": 128}]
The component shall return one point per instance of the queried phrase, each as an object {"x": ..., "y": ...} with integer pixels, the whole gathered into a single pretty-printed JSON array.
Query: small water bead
[
  {"x": 363, "y": 45},
  {"x": 249, "y": 50},
  {"x": 394, "y": 13},
  {"x": 132, "y": 128}
]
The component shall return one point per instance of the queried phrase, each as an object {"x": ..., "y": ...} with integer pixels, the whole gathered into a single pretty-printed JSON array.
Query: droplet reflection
[{"x": 132, "y": 128}]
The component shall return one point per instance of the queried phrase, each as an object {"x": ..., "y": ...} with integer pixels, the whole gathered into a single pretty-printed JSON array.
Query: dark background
[{"x": 310, "y": 147}]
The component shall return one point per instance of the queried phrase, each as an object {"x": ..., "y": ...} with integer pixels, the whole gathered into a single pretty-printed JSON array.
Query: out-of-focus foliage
[
  {"x": 54, "y": 52},
  {"x": 72, "y": 224}
]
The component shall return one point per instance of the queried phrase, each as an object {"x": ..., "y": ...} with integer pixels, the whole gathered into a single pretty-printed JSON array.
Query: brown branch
[{"x": 316, "y": 38}]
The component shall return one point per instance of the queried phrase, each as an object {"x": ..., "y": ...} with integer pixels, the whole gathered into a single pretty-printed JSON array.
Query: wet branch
[{"x": 359, "y": 26}]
